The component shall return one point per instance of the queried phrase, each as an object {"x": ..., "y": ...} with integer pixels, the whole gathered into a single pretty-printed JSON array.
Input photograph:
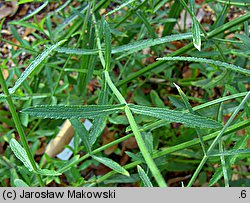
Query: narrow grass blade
[
  {"x": 195, "y": 27},
  {"x": 20, "y": 183},
  {"x": 111, "y": 164},
  {"x": 232, "y": 152},
  {"x": 175, "y": 116},
  {"x": 190, "y": 109},
  {"x": 35, "y": 11},
  {"x": 20, "y": 153},
  {"x": 209, "y": 61},
  {"x": 63, "y": 112},
  {"x": 82, "y": 132},
  {"x": 175, "y": 11},
  {"x": 33, "y": 65},
  {"x": 218, "y": 174},
  {"x": 67, "y": 21},
  {"x": 76, "y": 51},
  {"x": 46, "y": 172},
  {"x": 142, "y": 44},
  {"x": 145, "y": 179},
  {"x": 120, "y": 7},
  {"x": 107, "y": 40}
]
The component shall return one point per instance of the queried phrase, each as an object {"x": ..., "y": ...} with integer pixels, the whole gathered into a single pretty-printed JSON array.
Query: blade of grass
[
  {"x": 209, "y": 61},
  {"x": 120, "y": 7},
  {"x": 145, "y": 179},
  {"x": 188, "y": 119},
  {"x": 221, "y": 149},
  {"x": 111, "y": 164},
  {"x": 63, "y": 112},
  {"x": 82, "y": 132},
  {"x": 33, "y": 65},
  {"x": 35, "y": 11},
  {"x": 189, "y": 107}
]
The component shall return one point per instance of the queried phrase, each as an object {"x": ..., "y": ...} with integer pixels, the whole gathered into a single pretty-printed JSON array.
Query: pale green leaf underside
[
  {"x": 47, "y": 172},
  {"x": 209, "y": 61},
  {"x": 232, "y": 152},
  {"x": 20, "y": 153},
  {"x": 142, "y": 44},
  {"x": 20, "y": 183},
  {"x": 145, "y": 179},
  {"x": 111, "y": 164},
  {"x": 38, "y": 60},
  {"x": 187, "y": 119},
  {"x": 75, "y": 51},
  {"x": 64, "y": 112}
]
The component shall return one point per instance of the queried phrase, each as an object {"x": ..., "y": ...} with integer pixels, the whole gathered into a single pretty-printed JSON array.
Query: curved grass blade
[
  {"x": 195, "y": 27},
  {"x": 111, "y": 164},
  {"x": 20, "y": 153},
  {"x": 82, "y": 132},
  {"x": 39, "y": 59},
  {"x": 35, "y": 11},
  {"x": 120, "y": 7},
  {"x": 145, "y": 179},
  {"x": 209, "y": 61},
  {"x": 76, "y": 51},
  {"x": 142, "y": 44},
  {"x": 187, "y": 119},
  {"x": 20, "y": 183},
  {"x": 63, "y": 112}
]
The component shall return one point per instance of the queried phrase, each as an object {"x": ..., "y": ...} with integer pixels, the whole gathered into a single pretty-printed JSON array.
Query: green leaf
[
  {"x": 39, "y": 59},
  {"x": 35, "y": 11},
  {"x": 195, "y": 27},
  {"x": 156, "y": 99},
  {"x": 20, "y": 153},
  {"x": 145, "y": 179},
  {"x": 47, "y": 172},
  {"x": 63, "y": 112},
  {"x": 142, "y": 44},
  {"x": 20, "y": 183},
  {"x": 99, "y": 122},
  {"x": 82, "y": 132},
  {"x": 175, "y": 116},
  {"x": 76, "y": 51},
  {"x": 209, "y": 61},
  {"x": 107, "y": 40},
  {"x": 111, "y": 164},
  {"x": 120, "y": 7},
  {"x": 232, "y": 152}
]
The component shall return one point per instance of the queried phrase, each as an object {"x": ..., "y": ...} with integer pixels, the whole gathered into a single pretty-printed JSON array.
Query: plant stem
[
  {"x": 196, "y": 173},
  {"x": 148, "y": 159},
  {"x": 19, "y": 126}
]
